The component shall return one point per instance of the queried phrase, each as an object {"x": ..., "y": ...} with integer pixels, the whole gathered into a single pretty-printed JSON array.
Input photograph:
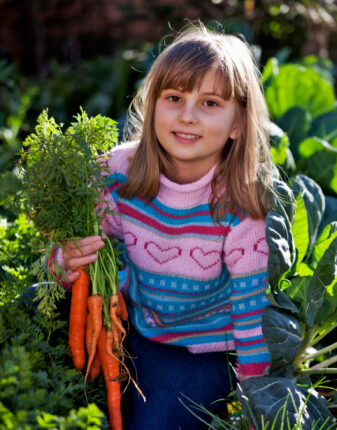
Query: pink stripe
[
  {"x": 243, "y": 334},
  {"x": 255, "y": 369},
  {"x": 199, "y": 229},
  {"x": 249, "y": 342},
  {"x": 212, "y": 347}
]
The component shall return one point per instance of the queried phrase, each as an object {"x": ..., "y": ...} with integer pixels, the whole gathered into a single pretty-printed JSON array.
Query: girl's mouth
[{"x": 186, "y": 137}]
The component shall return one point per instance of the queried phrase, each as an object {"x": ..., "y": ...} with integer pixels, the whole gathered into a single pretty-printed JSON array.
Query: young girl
[{"x": 190, "y": 201}]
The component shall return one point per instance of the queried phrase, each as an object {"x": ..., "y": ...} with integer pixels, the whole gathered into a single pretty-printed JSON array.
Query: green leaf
[
  {"x": 325, "y": 126},
  {"x": 325, "y": 274},
  {"x": 282, "y": 300},
  {"x": 296, "y": 123},
  {"x": 279, "y": 148},
  {"x": 298, "y": 293},
  {"x": 320, "y": 163},
  {"x": 281, "y": 246},
  {"x": 299, "y": 86},
  {"x": 269, "y": 71},
  {"x": 314, "y": 203},
  {"x": 323, "y": 242},
  {"x": 300, "y": 230},
  {"x": 283, "y": 404},
  {"x": 282, "y": 333},
  {"x": 312, "y": 145}
]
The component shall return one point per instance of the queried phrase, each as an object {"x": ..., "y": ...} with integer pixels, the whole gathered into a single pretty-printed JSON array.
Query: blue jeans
[{"x": 164, "y": 374}]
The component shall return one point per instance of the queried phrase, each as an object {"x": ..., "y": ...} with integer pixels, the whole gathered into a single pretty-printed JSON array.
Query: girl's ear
[{"x": 235, "y": 131}]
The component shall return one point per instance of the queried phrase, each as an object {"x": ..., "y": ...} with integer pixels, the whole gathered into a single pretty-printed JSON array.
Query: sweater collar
[{"x": 182, "y": 196}]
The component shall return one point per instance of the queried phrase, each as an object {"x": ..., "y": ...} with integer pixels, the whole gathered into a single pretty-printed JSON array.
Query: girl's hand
[{"x": 80, "y": 253}]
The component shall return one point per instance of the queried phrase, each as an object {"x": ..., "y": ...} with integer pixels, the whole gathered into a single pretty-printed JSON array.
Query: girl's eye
[
  {"x": 210, "y": 103},
  {"x": 174, "y": 98}
]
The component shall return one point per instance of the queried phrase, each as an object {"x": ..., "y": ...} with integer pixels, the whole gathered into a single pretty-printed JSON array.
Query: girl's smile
[{"x": 193, "y": 128}]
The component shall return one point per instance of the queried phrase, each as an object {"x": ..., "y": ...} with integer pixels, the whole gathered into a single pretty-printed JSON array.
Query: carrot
[
  {"x": 115, "y": 321},
  {"x": 110, "y": 340},
  {"x": 122, "y": 311},
  {"x": 77, "y": 318},
  {"x": 96, "y": 364},
  {"x": 96, "y": 367},
  {"x": 111, "y": 372},
  {"x": 95, "y": 306}
]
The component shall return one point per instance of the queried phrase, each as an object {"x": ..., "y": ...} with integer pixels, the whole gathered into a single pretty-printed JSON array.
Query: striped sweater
[{"x": 190, "y": 281}]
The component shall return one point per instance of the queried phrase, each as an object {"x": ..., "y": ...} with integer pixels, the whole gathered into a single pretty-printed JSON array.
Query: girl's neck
[{"x": 186, "y": 174}]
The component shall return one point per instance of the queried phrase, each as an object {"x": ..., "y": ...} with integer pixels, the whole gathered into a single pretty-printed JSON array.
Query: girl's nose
[{"x": 188, "y": 114}]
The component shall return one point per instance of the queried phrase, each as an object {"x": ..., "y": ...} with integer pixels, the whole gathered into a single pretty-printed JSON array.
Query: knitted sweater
[{"x": 191, "y": 281}]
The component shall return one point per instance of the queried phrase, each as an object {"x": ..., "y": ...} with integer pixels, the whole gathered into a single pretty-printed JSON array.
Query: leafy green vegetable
[
  {"x": 302, "y": 270},
  {"x": 283, "y": 404},
  {"x": 295, "y": 85}
]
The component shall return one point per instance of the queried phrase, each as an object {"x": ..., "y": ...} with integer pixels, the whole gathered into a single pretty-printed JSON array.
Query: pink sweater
[{"x": 190, "y": 281}]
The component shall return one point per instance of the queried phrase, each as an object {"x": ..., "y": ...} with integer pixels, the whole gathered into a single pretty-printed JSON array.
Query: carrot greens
[{"x": 61, "y": 184}]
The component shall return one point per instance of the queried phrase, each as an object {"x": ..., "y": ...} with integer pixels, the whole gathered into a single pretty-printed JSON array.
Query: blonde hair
[{"x": 243, "y": 175}]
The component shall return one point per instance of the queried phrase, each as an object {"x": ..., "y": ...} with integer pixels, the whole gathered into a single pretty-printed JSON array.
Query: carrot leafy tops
[{"x": 61, "y": 183}]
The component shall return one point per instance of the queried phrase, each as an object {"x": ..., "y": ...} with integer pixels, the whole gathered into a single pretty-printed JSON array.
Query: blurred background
[{"x": 64, "y": 54}]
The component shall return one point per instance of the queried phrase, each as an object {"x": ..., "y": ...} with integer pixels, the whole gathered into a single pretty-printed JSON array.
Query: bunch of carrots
[
  {"x": 62, "y": 175},
  {"x": 103, "y": 342}
]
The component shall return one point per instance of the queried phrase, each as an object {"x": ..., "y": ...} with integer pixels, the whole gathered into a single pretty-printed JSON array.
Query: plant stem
[
  {"x": 309, "y": 333},
  {"x": 325, "y": 363},
  {"x": 321, "y": 351},
  {"x": 326, "y": 370},
  {"x": 326, "y": 332}
]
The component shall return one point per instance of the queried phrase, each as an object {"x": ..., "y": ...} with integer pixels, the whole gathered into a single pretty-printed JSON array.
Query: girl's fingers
[
  {"x": 71, "y": 276},
  {"x": 84, "y": 250},
  {"x": 87, "y": 241},
  {"x": 75, "y": 263}
]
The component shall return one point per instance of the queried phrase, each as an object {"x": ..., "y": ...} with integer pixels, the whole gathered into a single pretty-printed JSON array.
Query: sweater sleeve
[{"x": 246, "y": 257}]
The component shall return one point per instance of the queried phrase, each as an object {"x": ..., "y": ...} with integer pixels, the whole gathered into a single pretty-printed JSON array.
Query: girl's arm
[{"x": 246, "y": 257}]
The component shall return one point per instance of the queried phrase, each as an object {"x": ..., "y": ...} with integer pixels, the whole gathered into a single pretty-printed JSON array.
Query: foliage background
[{"x": 94, "y": 54}]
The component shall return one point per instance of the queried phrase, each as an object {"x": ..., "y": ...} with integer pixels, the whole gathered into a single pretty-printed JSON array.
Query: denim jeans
[{"x": 167, "y": 373}]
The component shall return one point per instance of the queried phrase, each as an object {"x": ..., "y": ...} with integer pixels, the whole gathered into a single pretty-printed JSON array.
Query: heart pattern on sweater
[
  {"x": 130, "y": 239},
  {"x": 205, "y": 259},
  {"x": 162, "y": 255},
  {"x": 261, "y": 246},
  {"x": 234, "y": 256}
]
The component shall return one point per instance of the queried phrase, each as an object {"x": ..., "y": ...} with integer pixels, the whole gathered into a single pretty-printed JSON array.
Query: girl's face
[{"x": 194, "y": 127}]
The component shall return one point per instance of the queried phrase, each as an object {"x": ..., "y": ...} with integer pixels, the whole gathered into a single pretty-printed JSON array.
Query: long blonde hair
[{"x": 243, "y": 175}]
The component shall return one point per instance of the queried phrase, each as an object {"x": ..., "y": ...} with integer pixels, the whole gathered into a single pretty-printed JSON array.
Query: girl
[{"x": 190, "y": 201}]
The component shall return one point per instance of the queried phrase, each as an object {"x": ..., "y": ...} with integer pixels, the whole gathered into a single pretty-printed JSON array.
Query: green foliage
[
  {"x": 16, "y": 257},
  {"x": 280, "y": 403},
  {"x": 302, "y": 270},
  {"x": 38, "y": 386},
  {"x": 295, "y": 85},
  {"x": 62, "y": 177},
  {"x": 302, "y": 102}
]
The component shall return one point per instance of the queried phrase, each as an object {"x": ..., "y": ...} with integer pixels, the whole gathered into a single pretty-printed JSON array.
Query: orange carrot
[
  {"x": 110, "y": 340},
  {"x": 115, "y": 321},
  {"x": 110, "y": 367},
  {"x": 96, "y": 364},
  {"x": 77, "y": 319},
  {"x": 122, "y": 311},
  {"x": 95, "y": 306},
  {"x": 96, "y": 367}
]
